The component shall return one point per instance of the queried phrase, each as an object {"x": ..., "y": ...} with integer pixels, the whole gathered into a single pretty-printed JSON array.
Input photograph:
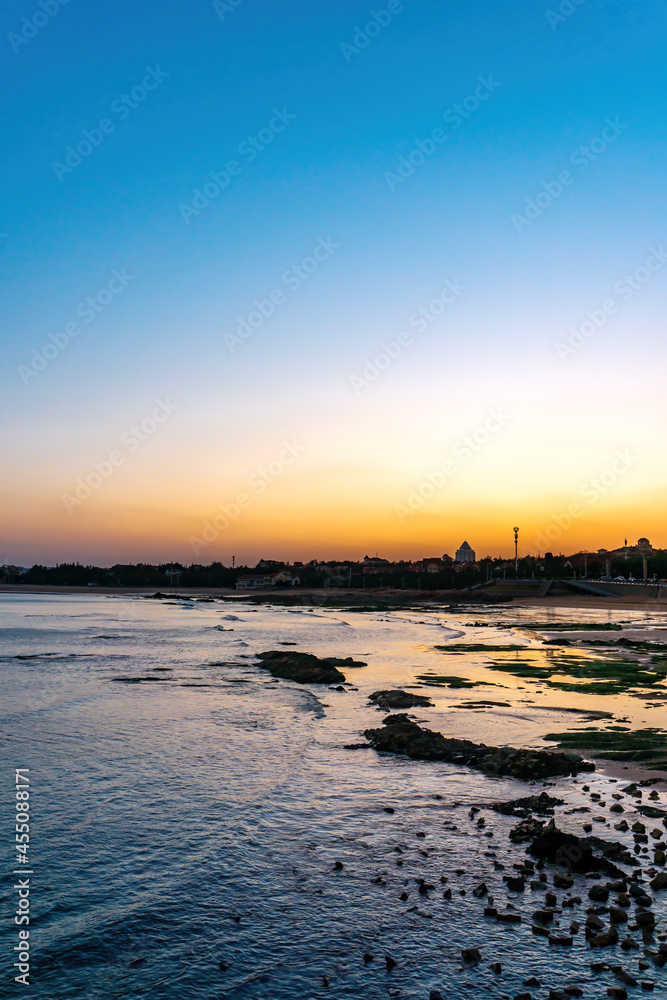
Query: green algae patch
[
  {"x": 570, "y": 627},
  {"x": 484, "y": 704},
  {"x": 438, "y": 680},
  {"x": 584, "y": 674},
  {"x": 637, "y": 745}
]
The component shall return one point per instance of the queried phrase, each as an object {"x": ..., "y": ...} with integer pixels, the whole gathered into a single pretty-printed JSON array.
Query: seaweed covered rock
[
  {"x": 304, "y": 668},
  {"x": 578, "y": 854},
  {"x": 400, "y": 699},
  {"x": 400, "y": 735}
]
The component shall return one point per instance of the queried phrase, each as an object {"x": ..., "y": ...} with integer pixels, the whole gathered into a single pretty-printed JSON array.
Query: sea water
[{"x": 184, "y": 831}]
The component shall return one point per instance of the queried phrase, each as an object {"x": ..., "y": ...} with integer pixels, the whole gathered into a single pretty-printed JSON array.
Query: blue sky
[{"x": 323, "y": 176}]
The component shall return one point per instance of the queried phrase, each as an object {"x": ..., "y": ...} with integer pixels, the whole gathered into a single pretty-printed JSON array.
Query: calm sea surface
[{"x": 196, "y": 819}]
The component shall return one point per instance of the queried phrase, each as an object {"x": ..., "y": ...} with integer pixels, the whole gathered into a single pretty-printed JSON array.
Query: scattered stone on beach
[
  {"x": 400, "y": 735},
  {"x": 399, "y": 699},
  {"x": 304, "y": 668}
]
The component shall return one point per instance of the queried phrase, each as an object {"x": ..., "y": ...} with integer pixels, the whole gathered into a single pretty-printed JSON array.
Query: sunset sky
[{"x": 423, "y": 301}]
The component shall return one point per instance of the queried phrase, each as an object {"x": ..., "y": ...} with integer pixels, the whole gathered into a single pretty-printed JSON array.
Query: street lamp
[{"x": 516, "y": 552}]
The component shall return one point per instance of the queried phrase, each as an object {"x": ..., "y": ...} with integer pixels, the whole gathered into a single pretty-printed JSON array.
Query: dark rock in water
[
  {"x": 390, "y": 963},
  {"x": 593, "y": 924},
  {"x": 470, "y": 955},
  {"x": 542, "y": 804},
  {"x": 338, "y": 866},
  {"x": 304, "y": 668},
  {"x": 399, "y": 699},
  {"x": 644, "y": 918},
  {"x": 624, "y": 976},
  {"x": 515, "y": 884},
  {"x": 400, "y": 735},
  {"x": 576, "y": 853},
  {"x": 526, "y": 830},
  {"x": 436, "y": 995},
  {"x": 496, "y": 967},
  {"x": 604, "y": 940},
  {"x": 368, "y": 958},
  {"x": 598, "y": 893},
  {"x": 563, "y": 881},
  {"x": 347, "y": 661}
]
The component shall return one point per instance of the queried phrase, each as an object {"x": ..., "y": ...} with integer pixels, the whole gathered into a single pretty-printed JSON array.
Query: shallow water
[{"x": 178, "y": 826}]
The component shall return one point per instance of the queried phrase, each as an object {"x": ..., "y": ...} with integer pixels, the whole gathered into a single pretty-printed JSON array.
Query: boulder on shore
[
  {"x": 400, "y": 735},
  {"x": 399, "y": 699},
  {"x": 304, "y": 668}
]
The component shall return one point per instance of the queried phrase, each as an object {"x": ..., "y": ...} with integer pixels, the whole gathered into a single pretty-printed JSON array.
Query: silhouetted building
[{"x": 465, "y": 554}]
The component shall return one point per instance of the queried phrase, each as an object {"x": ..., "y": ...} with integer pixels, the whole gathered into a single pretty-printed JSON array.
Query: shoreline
[{"x": 317, "y": 597}]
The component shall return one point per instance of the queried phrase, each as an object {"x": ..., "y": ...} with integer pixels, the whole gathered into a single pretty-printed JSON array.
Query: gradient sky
[{"x": 358, "y": 452}]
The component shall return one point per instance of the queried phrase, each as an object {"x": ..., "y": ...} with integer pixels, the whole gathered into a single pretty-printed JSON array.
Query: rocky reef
[
  {"x": 400, "y": 735},
  {"x": 305, "y": 668},
  {"x": 399, "y": 699}
]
